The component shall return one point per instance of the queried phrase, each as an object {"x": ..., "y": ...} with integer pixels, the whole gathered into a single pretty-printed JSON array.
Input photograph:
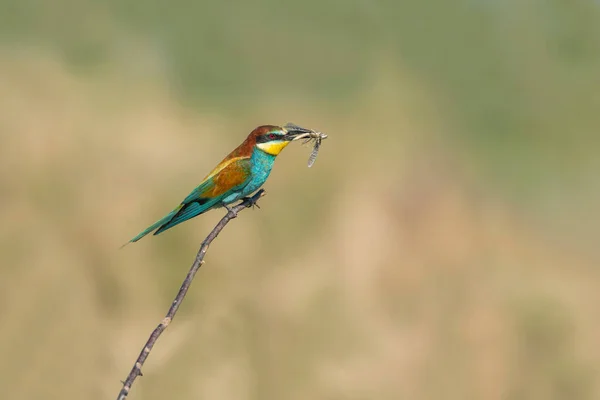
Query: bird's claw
[
  {"x": 246, "y": 201},
  {"x": 250, "y": 202}
]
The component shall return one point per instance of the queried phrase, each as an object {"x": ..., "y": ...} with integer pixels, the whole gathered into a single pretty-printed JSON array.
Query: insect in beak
[{"x": 296, "y": 132}]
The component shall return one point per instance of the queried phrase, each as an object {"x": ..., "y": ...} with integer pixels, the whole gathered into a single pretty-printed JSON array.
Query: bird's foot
[{"x": 250, "y": 202}]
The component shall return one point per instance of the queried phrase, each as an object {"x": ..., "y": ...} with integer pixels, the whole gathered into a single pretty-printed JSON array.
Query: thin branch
[{"x": 137, "y": 367}]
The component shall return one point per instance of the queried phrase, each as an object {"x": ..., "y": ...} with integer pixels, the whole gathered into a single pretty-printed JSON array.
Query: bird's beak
[
  {"x": 291, "y": 136},
  {"x": 306, "y": 135},
  {"x": 294, "y": 132}
]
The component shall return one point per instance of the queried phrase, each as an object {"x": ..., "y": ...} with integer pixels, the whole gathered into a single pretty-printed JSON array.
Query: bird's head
[{"x": 272, "y": 139}]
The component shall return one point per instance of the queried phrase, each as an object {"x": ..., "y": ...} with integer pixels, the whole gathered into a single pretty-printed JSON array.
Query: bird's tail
[{"x": 154, "y": 226}]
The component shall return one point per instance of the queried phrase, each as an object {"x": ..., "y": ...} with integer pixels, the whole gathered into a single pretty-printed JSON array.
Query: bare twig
[{"x": 137, "y": 367}]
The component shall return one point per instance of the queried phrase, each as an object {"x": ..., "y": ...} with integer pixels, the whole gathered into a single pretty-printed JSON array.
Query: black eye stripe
[{"x": 267, "y": 137}]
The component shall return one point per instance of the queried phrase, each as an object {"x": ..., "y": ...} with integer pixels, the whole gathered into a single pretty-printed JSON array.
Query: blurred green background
[{"x": 443, "y": 246}]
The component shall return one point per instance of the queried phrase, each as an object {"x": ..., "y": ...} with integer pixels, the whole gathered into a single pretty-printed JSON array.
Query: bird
[{"x": 237, "y": 176}]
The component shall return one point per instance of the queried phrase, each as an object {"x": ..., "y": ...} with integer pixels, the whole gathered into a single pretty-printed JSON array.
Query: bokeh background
[{"x": 443, "y": 246}]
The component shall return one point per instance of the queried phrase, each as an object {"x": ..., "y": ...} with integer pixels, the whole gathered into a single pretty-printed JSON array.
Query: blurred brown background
[{"x": 443, "y": 246}]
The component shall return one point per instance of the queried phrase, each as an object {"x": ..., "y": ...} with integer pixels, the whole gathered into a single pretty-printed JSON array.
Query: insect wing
[
  {"x": 295, "y": 128},
  {"x": 313, "y": 155}
]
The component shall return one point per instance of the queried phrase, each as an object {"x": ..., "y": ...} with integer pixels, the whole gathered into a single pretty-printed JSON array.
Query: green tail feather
[
  {"x": 154, "y": 226},
  {"x": 189, "y": 211},
  {"x": 182, "y": 213}
]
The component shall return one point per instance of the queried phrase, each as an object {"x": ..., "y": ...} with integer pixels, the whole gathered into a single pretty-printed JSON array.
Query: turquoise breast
[{"x": 262, "y": 163}]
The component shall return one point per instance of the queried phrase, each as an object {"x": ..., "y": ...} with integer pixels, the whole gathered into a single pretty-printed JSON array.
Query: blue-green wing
[
  {"x": 192, "y": 209},
  {"x": 210, "y": 193}
]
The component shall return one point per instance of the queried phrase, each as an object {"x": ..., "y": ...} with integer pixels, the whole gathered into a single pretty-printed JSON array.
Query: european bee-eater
[{"x": 239, "y": 175}]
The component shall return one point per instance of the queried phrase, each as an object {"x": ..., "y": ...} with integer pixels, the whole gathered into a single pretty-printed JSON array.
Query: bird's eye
[{"x": 272, "y": 136}]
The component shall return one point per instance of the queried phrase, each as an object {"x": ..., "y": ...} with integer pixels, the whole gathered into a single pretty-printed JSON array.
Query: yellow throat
[{"x": 273, "y": 148}]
